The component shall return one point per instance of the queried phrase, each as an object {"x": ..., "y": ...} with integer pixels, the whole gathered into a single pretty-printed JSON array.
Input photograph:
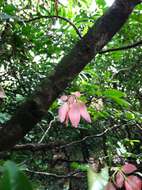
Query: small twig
[
  {"x": 88, "y": 137},
  {"x": 47, "y": 130},
  {"x": 140, "y": 127},
  {"x": 72, "y": 174},
  {"x": 56, "y": 16},
  {"x": 139, "y": 43},
  {"x": 120, "y": 70}
]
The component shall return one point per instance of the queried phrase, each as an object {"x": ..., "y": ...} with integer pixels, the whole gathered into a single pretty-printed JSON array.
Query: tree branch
[
  {"x": 55, "y": 16},
  {"x": 35, "y": 146},
  {"x": 33, "y": 110},
  {"x": 47, "y": 130},
  {"x": 59, "y": 145},
  {"x": 72, "y": 174},
  {"x": 139, "y": 43},
  {"x": 89, "y": 136}
]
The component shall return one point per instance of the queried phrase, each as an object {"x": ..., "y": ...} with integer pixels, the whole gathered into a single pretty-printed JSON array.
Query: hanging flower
[
  {"x": 120, "y": 176},
  {"x": 73, "y": 109},
  {"x": 130, "y": 182}
]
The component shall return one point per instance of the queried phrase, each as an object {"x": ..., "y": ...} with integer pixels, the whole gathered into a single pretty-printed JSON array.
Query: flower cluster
[
  {"x": 73, "y": 109},
  {"x": 131, "y": 182}
]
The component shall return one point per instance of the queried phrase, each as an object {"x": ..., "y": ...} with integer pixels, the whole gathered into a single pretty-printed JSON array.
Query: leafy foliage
[
  {"x": 13, "y": 178},
  {"x": 34, "y": 36}
]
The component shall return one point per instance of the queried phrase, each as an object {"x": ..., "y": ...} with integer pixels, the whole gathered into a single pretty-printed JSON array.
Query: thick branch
[
  {"x": 33, "y": 110},
  {"x": 139, "y": 43},
  {"x": 36, "y": 146}
]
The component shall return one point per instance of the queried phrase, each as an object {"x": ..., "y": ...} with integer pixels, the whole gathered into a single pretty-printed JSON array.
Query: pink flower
[
  {"x": 73, "y": 109},
  {"x": 119, "y": 179},
  {"x": 131, "y": 182},
  {"x": 129, "y": 168},
  {"x": 110, "y": 186}
]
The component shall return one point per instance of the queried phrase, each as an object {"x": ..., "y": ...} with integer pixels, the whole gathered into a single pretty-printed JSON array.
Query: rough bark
[{"x": 32, "y": 111}]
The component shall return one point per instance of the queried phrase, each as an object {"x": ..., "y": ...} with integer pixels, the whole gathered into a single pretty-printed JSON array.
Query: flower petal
[
  {"x": 129, "y": 168},
  {"x": 71, "y": 99},
  {"x": 133, "y": 183},
  {"x": 64, "y": 98},
  {"x": 74, "y": 114},
  {"x": 77, "y": 94},
  {"x": 84, "y": 113},
  {"x": 119, "y": 180},
  {"x": 110, "y": 186},
  {"x": 67, "y": 119},
  {"x": 63, "y": 110}
]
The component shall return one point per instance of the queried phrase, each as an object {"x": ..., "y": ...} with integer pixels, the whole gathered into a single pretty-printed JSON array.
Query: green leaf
[
  {"x": 101, "y": 2},
  {"x": 81, "y": 167},
  {"x": 121, "y": 102},
  {"x": 97, "y": 181},
  {"x": 9, "y": 9},
  {"x": 19, "y": 98},
  {"x": 116, "y": 96},
  {"x": 129, "y": 115},
  {"x": 1, "y": 2},
  {"x": 13, "y": 178},
  {"x": 113, "y": 92},
  {"x": 4, "y": 117}
]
